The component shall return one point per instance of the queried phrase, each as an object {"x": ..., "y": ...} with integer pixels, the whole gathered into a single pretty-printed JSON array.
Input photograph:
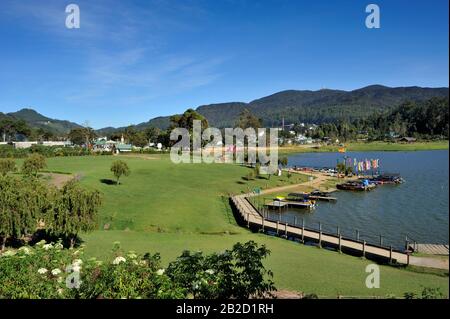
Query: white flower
[
  {"x": 132, "y": 255},
  {"x": 160, "y": 272},
  {"x": 118, "y": 260},
  {"x": 76, "y": 268},
  {"x": 77, "y": 262},
  {"x": 8, "y": 253},
  {"x": 25, "y": 250},
  {"x": 47, "y": 246},
  {"x": 42, "y": 271},
  {"x": 56, "y": 272},
  {"x": 209, "y": 271},
  {"x": 40, "y": 243},
  {"x": 59, "y": 246}
]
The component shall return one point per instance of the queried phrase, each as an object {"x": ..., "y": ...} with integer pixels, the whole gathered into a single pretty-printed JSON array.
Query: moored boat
[
  {"x": 387, "y": 179},
  {"x": 364, "y": 185}
]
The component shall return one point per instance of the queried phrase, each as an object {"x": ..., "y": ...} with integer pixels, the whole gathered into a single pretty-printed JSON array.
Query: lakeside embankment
[{"x": 367, "y": 147}]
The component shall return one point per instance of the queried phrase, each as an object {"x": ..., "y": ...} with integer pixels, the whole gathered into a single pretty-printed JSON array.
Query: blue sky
[{"x": 134, "y": 60}]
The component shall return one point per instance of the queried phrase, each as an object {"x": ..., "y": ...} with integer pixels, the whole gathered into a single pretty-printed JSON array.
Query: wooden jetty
[
  {"x": 287, "y": 203},
  {"x": 276, "y": 204},
  {"x": 252, "y": 218},
  {"x": 431, "y": 249},
  {"x": 325, "y": 198}
]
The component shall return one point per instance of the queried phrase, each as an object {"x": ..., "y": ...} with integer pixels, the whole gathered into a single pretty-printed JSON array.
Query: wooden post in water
[
  {"x": 320, "y": 235},
  {"x": 295, "y": 221},
  {"x": 364, "y": 248},
  {"x": 381, "y": 240},
  {"x": 357, "y": 235},
  {"x": 262, "y": 219},
  {"x": 338, "y": 231},
  {"x": 303, "y": 230},
  {"x": 340, "y": 238},
  {"x": 390, "y": 254},
  {"x": 406, "y": 243}
]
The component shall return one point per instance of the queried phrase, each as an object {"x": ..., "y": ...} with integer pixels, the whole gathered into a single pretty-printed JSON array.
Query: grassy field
[
  {"x": 369, "y": 146},
  {"x": 164, "y": 207}
]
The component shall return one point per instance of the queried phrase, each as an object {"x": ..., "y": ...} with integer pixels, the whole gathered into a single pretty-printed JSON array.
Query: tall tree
[
  {"x": 75, "y": 210},
  {"x": 247, "y": 119},
  {"x": 22, "y": 204}
]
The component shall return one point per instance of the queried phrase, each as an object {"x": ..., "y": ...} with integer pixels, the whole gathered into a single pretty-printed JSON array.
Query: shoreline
[{"x": 367, "y": 147}]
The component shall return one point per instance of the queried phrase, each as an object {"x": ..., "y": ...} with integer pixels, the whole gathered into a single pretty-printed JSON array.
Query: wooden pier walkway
[
  {"x": 253, "y": 219},
  {"x": 431, "y": 249}
]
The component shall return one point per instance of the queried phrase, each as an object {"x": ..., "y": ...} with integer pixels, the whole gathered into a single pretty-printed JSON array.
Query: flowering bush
[{"x": 47, "y": 270}]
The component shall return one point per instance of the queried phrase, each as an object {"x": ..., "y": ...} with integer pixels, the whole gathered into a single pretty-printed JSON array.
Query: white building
[
  {"x": 56, "y": 143},
  {"x": 23, "y": 144}
]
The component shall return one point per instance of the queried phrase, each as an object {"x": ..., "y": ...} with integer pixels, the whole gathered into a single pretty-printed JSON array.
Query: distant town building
[
  {"x": 23, "y": 144},
  {"x": 407, "y": 139},
  {"x": 56, "y": 143}
]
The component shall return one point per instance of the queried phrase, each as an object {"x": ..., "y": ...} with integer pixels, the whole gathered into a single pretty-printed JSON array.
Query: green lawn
[{"x": 164, "y": 207}]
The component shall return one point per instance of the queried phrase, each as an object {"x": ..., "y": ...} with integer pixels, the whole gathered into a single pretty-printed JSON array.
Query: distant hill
[
  {"x": 294, "y": 106},
  {"x": 319, "y": 106},
  {"x": 37, "y": 120}
]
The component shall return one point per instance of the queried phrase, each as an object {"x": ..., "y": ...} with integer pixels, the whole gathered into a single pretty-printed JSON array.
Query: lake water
[{"x": 418, "y": 208}]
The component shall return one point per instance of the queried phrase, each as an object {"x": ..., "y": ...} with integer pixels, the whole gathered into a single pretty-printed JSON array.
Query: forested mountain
[
  {"x": 320, "y": 106},
  {"x": 424, "y": 119},
  {"x": 36, "y": 120}
]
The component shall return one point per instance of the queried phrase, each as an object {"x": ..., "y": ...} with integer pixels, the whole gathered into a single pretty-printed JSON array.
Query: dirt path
[
  {"x": 317, "y": 182},
  {"x": 440, "y": 263},
  {"x": 58, "y": 180}
]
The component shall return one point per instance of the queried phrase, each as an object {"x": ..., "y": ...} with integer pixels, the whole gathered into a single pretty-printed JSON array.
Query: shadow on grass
[{"x": 108, "y": 181}]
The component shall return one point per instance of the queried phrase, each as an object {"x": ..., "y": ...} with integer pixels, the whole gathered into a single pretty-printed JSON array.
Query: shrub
[
  {"x": 50, "y": 271},
  {"x": 7, "y": 166},
  {"x": 33, "y": 164},
  {"x": 235, "y": 273}
]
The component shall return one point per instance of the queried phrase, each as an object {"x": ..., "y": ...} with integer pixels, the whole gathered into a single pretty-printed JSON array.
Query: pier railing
[{"x": 355, "y": 234}]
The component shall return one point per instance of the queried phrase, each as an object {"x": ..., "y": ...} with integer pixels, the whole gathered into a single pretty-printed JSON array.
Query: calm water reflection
[{"x": 418, "y": 208}]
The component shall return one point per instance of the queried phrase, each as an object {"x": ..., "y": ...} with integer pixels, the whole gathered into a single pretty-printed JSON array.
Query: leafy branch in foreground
[{"x": 50, "y": 271}]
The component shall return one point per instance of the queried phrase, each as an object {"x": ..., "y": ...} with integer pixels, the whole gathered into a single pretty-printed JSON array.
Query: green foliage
[
  {"x": 248, "y": 120},
  {"x": 10, "y": 126},
  {"x": 236, "y": 273},
  {"x": 74, "y": 209},
  {"x": 25, "y": 203},
  {"x": 22, "y": 203},
  {"x": 33, "y": 164},
  {"x": 120, "y": 168},
  {"x": 82, "y": 135},
  {"x": 7, "y": 166},
  {"x": 428, "y": 119},
  {"x": 49, "y": 271},
  {"x": 427, "y": 293},
  {"x": 186, "y": 120}
]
